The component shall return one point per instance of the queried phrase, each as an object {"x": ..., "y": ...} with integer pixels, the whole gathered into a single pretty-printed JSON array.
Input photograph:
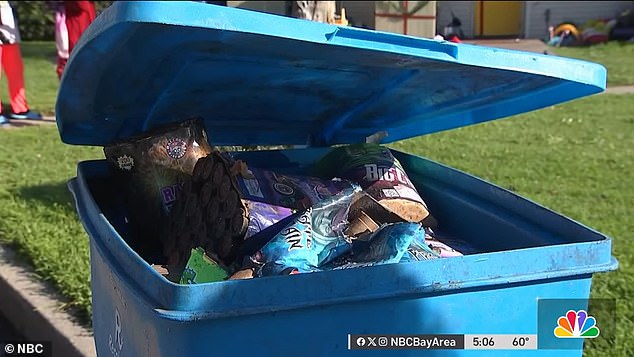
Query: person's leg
[
  {"x": 1, "y": 69},
  {"x": 3, "y": 120},
  {"x": 79, "y": 15},
  {"x": 14, "y": 69},
  {"x": 61, "y": 41}
]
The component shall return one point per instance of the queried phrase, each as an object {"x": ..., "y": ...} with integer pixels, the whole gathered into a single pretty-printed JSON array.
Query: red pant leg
[
  {"x": 1, "y": 76},
  {"x": 79, "y": 15},
  {"x": 12, "y": 65}
]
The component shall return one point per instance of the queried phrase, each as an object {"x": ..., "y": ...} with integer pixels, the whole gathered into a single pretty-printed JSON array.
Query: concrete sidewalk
[{"x": 620, "y": 90}]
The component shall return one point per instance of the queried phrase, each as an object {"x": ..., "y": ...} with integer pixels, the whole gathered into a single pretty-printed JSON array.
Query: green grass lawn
[
  {"x": 575, "y": 158},
  {"x": 617, "y": 57},
  {"x": 38, "y": 215}
]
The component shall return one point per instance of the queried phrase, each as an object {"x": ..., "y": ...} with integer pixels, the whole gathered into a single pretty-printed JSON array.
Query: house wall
[
  {"x": 421, "y": 23},
  {"x": 562, "y": 11},
  {"x": 535, "y": 25},
  {"x": 464, "y": 10}
]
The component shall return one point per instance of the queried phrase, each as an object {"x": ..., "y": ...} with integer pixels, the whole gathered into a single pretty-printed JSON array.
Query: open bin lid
[{"x": 262, "y": 79}]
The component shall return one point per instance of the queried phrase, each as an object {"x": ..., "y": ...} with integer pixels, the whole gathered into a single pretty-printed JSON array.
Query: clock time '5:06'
[{"x": 483, "y": 341}]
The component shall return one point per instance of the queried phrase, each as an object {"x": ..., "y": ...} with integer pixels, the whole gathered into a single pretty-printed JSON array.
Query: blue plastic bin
[{"x": 261, "y": 79}]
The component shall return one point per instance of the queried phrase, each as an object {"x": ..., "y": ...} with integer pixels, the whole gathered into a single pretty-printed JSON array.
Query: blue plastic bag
[
  {"x": 312, "y": 239},
  {"x": 387, "y": 245}
]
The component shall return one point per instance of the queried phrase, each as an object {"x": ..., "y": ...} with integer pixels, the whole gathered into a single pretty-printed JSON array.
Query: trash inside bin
[
  {"x": 261, "y": 79},
  {"x": 151, "y": 169}
]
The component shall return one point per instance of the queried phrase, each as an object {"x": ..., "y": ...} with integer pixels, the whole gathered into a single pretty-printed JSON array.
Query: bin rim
[
  {"x": 428, "y": 290},
  {"x": 264, "y": 79}
]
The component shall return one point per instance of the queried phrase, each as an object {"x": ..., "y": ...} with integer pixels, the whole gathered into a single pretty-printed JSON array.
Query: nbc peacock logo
[{"x": 576, "y": 324}]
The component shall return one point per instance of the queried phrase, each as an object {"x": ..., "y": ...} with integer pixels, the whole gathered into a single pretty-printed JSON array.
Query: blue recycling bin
[{"x": 261, "y": 79}]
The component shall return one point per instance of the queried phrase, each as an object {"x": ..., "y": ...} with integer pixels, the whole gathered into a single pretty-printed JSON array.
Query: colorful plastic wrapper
[
  {"x": 263, "y": 215},
  {"x": 312, "y": 239},
  {"x": 291, "y": 191},
  {"x": 419, "y": 250},
  {"x": 385, "y": 246},
  {"x": 271, "y": 196},
  {"x": 202, "y": 269},
  {"x": 151, "y": 170},
  {"x": 379, "y": 173}
]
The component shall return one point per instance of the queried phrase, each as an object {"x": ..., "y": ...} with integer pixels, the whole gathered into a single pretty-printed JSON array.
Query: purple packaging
[
  {"x": 290, "y": 191},
  {"x": 263, "y": 215}
]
